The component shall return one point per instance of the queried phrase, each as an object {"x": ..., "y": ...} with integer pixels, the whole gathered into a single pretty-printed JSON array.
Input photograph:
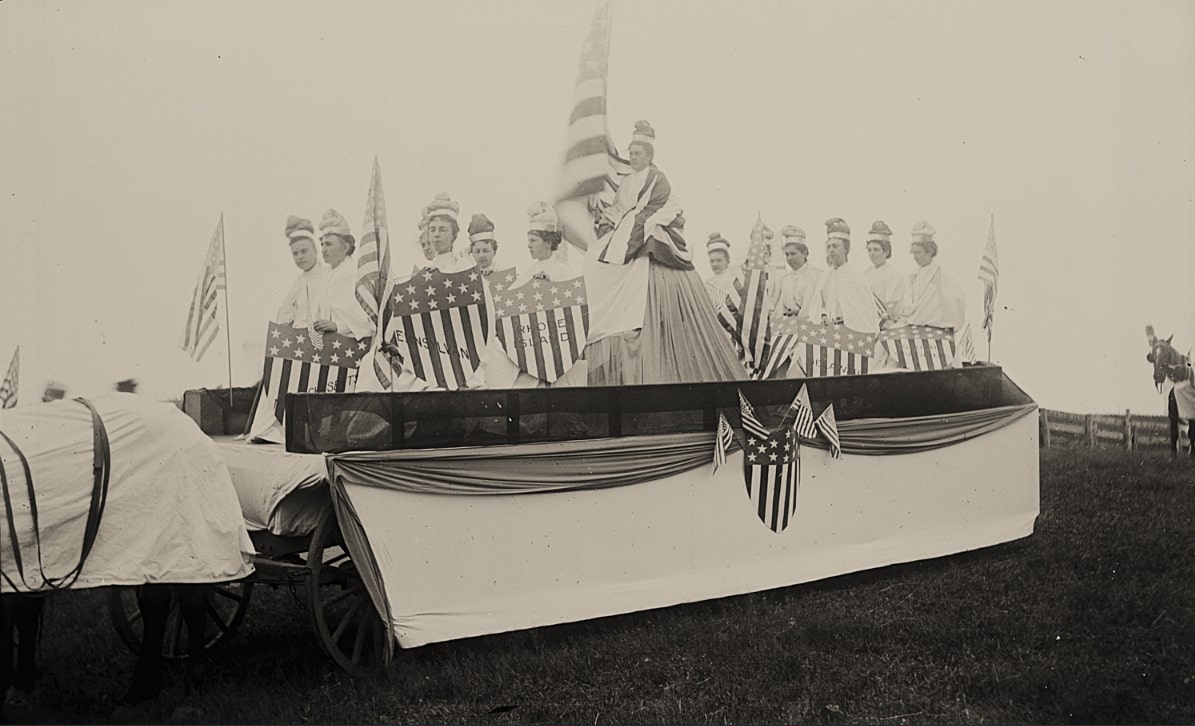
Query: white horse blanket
[{"x": 171, "y": 514}]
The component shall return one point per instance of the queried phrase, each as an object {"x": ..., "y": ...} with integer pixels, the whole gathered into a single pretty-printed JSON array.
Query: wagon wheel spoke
[
  {"x": 348, "y": 619},
  {"x": 362, "y": 631},
  {"x": 229, "y": 593},
  {"x": 217, "y": 617}
]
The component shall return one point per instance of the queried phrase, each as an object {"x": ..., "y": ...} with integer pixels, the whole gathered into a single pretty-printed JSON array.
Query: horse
[
  {"x": 1175, "y": 368},
  {"x": 146, "y": 462},
  {"x": 22, "y": 616}
]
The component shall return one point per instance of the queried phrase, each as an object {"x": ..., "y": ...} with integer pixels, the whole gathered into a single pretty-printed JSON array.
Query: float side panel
[{"x": 456, "y": 567}]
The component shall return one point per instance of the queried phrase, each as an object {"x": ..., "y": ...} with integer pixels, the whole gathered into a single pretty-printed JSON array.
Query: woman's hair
[
  {"x": 930, "y": 246},
  {"x": 651, "y": 150},
  {"x": 885, "y": 245},
  {"x": 348, "y": 240},
  {"x": 552, "y": 238},
  {"x": 493, "y": 243},
  {"x": 456, "y": 228}
]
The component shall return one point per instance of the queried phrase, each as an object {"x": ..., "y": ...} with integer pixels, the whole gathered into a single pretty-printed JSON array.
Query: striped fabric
[
  {"x": 12, "y": 381},
  {"x": 373, "y": 268},
  {"x": 918, "y": 347},
  {"x": 723, "y": 440},
  {"x": 828, "y": 426},
  {"x": 966, "y": 346},
  {"x": 295, "y": 364},
  {"x": 654, "y": 226},
  {"x": 820, "y": 350},
  {"x": 439, "y": 321},
  {"x": 202, "y": 322},
  {"x": 591, "y": 163},
  {"x": 771, "y": 468},
  {"x": 989, "y": 275},
  {"x": 542, "y": 325},
  {"x": 801, "y": 411}
]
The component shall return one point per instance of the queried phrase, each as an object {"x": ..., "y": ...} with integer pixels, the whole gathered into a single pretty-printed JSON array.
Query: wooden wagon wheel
[
  {"x": 226, "y": 608},
  {"x": 349, "y": 628}
]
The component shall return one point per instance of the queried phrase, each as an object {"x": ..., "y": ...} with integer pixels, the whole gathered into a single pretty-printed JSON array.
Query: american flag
[
  {"x": 295, "y": 364},
  {"x": 989, "y": 274},
  {"x": 966, "y": 346},
  {"x": 918, "y": 347},
  {"x": 542, "y": 325},
  {"x": 592, "y": 169},
  {"x": 723, "y": 440},
  {"x": 801, "y": 411},
  {"x": 202, "y": 322},
  {"x": 820, "y": 350},
  {"x": 745, "y": 312},
  {"x": 502, "y": 279},
  {"x": 373, "y": 267},
  {"x": 12, "y": 381},
  {"x": 440, "y": 323},
  {"x": 771, "y": 468},
  {"x": 828, "y": 426}
]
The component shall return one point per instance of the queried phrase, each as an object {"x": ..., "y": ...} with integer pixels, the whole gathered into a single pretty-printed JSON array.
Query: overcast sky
[{"x": 130, "y": 126}]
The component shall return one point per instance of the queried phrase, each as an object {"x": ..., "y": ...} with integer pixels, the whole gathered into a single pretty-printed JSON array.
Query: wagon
[
  {"x": 291, "y": 523},
  {"x": 457, "y": 514}
]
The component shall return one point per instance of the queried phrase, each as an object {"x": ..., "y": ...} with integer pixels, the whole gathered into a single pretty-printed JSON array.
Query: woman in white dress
[
  {"x": 337, "y": 310},
  {"x": 888, "y": 285}
]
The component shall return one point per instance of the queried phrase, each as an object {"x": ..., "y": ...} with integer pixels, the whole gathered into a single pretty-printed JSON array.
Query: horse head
[{"x": 1168, "y": 362}]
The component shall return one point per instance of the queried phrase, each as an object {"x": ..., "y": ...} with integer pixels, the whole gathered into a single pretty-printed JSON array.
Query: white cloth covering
[
  {"x": 171, "y": 514},
  {"x": 721, "y": 285},
  {"x": 456, "y": 567},
  {"x": 279, "y": 491}
]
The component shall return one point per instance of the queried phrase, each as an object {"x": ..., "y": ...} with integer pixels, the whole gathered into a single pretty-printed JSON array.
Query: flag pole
[{"x": 227, "y": 331}]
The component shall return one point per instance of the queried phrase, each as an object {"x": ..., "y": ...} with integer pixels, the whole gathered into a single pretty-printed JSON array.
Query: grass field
[{"x": 1092, "y": 619}]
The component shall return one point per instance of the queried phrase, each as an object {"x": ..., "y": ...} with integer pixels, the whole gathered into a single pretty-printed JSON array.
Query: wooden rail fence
[{"x": 1128, "y": 431}]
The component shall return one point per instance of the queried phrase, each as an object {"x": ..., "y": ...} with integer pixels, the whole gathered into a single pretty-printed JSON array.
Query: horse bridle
[{"x": 101, "y": 470}]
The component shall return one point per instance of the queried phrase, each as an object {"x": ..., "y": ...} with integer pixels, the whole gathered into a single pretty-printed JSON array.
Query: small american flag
[
  {"x": 542, "y": 325},
  {"x": 820, "y": 350},
  {"x": 918, "y": 347},
  {"x": 771, "y": 468},
  {"x": 966, "y": 346},
  {"x": 751, "y": 423},
  {"x": 989, "y": 274},
  {"x": 373, "y": 268},
  {"x": 294, "y": 364},
  {"x": 439, "y": 322},
  {"x": 12, "y": 381},
  {"x": 802, "y": 413},
  {"x": 202, "y": 322},
  {"x": 723, "y": 440},
  {"x": 744, "y": 312},
  {"x": 828, "y": 427}
]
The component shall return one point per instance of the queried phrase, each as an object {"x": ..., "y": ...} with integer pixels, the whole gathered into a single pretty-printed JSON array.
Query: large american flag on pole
[
  {"x": 12, "y": 381},
  {"x": 592, "y": 168},
  {"x": 771, "y": 469},
  {"x": 989, "y": 274},
  {"x": 202, "y": 322},
  {"x": 918, "y": 347},
  {"x": 373, "y": 267},
  {"x": 820, "y": 350},
  {"x": 439, "y": 323},
  {"x": 542, "y": 325},
  {"x": 296, "y": 364}
]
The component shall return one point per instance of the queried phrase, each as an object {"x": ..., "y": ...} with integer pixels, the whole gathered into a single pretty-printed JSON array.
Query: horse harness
[{"x": 101, "y": 470}]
